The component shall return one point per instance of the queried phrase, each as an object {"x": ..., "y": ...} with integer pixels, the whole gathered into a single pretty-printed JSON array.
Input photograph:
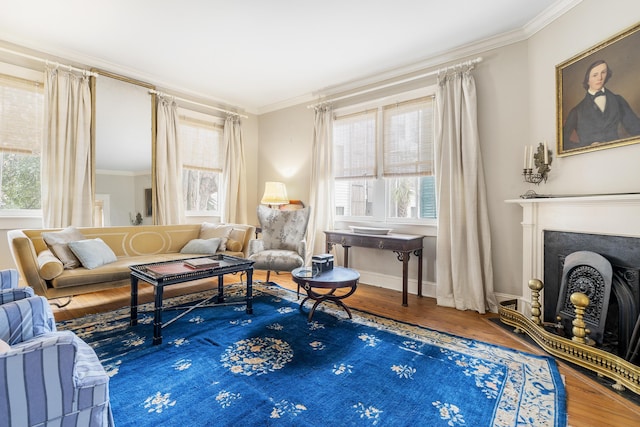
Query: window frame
[
  {"x": 215, "y": 122},
  {"x": 37, "y": 77},
  {"x": 381, "y": 183}
]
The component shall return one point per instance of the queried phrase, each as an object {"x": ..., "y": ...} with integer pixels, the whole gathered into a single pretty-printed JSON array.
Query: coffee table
[
  {"x": 161, "y": 274},
  {"x": 332, "y": 280}
]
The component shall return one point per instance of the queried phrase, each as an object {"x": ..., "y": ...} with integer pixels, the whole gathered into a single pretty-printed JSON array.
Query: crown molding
[{"x": 441, "y": 59}]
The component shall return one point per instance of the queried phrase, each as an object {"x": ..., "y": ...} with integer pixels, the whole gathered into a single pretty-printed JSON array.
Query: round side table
[{"x": 330, "y": 281}]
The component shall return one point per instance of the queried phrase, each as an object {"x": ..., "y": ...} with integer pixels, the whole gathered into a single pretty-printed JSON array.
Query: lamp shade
[{"x": 275, "y": 193}]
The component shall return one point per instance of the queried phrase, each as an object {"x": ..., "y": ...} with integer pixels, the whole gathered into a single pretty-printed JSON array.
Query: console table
[{"x": 401, "y": 244}]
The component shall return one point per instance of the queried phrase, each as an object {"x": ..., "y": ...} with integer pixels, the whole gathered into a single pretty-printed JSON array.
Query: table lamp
[{"x": 275, "y": 193}]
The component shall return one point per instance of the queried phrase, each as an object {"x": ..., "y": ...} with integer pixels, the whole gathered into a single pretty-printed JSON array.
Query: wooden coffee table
[
  {"x": 330, "y": 281},
  {"x": 161, "y": 274}
]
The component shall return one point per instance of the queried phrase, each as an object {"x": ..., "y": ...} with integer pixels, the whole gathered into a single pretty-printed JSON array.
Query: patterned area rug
[{"x": 220, "y": 366}]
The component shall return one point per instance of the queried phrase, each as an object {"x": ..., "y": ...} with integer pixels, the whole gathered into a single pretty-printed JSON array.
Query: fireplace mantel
[{"x": 616, "y": 215}]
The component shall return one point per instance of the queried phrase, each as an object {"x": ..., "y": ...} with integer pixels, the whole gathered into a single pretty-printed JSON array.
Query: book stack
[{"x": 201, "y": 263}]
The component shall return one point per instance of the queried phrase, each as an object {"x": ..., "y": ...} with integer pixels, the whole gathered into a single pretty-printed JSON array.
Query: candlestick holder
[{"x": 542, "y": 163}]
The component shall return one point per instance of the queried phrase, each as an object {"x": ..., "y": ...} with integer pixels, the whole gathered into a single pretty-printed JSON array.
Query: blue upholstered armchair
[
  {"x": 48, "y": 377},
  {"x": 9, "y": 290},
  {"x": 282, "y": 246}
]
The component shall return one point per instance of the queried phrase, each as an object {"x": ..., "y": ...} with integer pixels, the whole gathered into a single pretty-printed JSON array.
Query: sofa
[{"x": 43, "y": 267}]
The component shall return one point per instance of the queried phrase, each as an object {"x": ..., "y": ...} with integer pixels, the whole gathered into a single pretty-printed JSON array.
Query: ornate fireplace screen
[
  {"x": 591, "y": 274},
  {"x": 608, "y": 307}
]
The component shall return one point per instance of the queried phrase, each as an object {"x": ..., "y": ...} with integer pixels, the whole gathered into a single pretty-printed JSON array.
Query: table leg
[
  {"x": 346, "y": 256},
  {"x": 249, "y": 291},
  {"x": 157, "y": 316},
  {"x": 318, "y": 298},
  {"x": 419, "y": 254},
  {"x": 405, "y": 278},
  {"x": 133, "y": 321},
  {"x": 220, "y": 298}
]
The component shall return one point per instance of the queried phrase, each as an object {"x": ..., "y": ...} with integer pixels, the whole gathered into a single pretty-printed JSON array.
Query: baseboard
[{"x": 395, "y": 283}]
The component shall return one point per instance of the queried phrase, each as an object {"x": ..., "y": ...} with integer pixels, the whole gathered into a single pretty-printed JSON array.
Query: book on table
[{"x": 201, "y": 263}]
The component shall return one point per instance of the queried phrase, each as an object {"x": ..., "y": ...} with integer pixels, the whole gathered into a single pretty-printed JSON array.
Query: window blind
[
  {"x": 354, "y": 139},
  {"x": 201, "y": 144},
  {"x": 408, "y": 138},
  {"x": 21, "y": 115}
]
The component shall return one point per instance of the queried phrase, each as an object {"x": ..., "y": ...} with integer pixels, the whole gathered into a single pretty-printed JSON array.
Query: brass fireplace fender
[{"x": 624, "y": 373}]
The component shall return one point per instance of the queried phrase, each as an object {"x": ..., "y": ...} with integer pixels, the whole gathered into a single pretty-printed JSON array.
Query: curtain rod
[
  {"x": 94, "y": 74},
  {"x": 48, "y": 62},
  {"x": 233, "y": 113},
  {"x": 397, "y": 82}
]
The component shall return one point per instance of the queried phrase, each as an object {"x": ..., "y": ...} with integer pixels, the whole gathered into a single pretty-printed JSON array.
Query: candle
[
  {"x": 526, "y": 150},
  {"x": 531, "y": 157},
  {"x": 546, "y": 154}
]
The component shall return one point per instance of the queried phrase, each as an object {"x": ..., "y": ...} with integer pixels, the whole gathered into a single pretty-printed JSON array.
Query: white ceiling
[{"x": 258, "y": 54}]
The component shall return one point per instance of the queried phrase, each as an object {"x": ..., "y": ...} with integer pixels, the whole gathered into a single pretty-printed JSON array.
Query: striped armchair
[
  {"x": 9, "y": 290},
  {"x": 48, "y": 377}
]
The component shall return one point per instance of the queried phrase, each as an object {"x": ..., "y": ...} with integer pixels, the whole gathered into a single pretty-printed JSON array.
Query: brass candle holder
[{"x": 540, "y": 160}]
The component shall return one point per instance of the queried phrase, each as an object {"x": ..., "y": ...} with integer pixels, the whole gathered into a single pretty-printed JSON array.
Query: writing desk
[{"x": 402, "y": 244}]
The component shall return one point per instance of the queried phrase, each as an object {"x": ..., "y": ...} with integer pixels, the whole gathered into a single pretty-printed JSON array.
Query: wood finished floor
[{"x": 589, "y": 404}]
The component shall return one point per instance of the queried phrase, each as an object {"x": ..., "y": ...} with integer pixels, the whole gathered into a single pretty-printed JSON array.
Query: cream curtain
[
  {"x": 321, "y": 191},
  {"x": 235, "y": 181},
  {"x": 169, "y": 203},
  {"x": 66, "y": 153},
  {"x": 464, "y": 269}
]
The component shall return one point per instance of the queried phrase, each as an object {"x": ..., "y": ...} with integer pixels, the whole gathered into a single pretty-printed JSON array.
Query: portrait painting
[{"x": 598, "y": 96}]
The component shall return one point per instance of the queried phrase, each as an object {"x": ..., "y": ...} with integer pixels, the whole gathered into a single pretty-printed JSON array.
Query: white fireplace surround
[{"x": 614, "y": 215}]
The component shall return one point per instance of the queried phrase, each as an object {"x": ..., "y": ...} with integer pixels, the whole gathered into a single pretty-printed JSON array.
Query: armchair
[
  {"x": 282, "y": 246},
  {"x": 9, "y": 290},
  {"x": 48, "y": 377}
]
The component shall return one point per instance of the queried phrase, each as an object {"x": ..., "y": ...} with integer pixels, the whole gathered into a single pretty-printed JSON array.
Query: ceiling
[{"x": 259, "y": 55}]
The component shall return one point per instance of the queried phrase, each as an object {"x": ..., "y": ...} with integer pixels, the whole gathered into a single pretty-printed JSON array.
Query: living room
[
  {"x": 517, "y": 97},
  {"x": 516, "y": 80}
]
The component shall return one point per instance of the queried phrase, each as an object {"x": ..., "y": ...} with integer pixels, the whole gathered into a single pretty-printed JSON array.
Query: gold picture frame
[{"x": 582, "y": 125}]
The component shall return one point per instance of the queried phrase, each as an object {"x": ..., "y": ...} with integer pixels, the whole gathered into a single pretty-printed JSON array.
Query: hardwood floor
[{"x": 588, "y": 403}]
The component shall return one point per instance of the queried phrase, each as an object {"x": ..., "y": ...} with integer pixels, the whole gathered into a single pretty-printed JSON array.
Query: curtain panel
[
  {"x": 169, "y": 207},
  {"x": 464, "y": 268},
  {"x": 67, "y": 190},
  {"x": 321, "y": 190},
  {"x": 234, "y": 175}
]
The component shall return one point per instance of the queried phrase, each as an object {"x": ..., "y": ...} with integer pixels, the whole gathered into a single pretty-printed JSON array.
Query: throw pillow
[
  {"x": 234, "y": 245},
  {"x": 50, "y": 266},
  {"x": 92, "y": 253},
  {"x": 58, "y": 242},
  {"x": 4, "y": 347},
  {"x": 209, "y": 231},
  {"x": 201, "y": 246}
]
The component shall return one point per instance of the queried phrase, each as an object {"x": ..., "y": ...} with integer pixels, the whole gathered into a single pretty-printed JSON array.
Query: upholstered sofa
[{"x": 51, "y": 277}]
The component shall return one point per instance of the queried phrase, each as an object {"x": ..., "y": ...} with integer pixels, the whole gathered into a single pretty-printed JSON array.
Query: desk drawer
[{"x": 376, "y": 242}]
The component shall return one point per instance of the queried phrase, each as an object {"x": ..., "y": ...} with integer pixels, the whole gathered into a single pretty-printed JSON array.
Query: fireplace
[
  {"x": 611, "y": 325},
  {"x": 614, "y": 218},
  {"x": 614, "y": 215}
]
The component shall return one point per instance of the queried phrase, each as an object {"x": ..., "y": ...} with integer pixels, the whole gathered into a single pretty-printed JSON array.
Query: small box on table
[{"x": 323, "y": 262}]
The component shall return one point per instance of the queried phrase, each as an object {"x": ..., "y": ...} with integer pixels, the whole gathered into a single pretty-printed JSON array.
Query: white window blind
[
  {"x": 408, "y": 138},
  {"x": 201, "y": 144},
  {"x": 354, "y": 138},
  {"x": 21, "y": 115}
]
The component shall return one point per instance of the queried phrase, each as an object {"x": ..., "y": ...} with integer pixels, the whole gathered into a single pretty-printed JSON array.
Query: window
[
  {"x": 201, "y": 151},
  {"x": 21, "y": 127},
  {"x": 399, "y": 138}
]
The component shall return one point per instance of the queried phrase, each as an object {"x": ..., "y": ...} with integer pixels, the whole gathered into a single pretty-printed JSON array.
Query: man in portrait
[{"x": 601, "y": 116}]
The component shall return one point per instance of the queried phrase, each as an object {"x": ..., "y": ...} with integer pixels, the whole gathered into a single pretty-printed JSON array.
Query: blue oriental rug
[{"x": 220, "y": 366}]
